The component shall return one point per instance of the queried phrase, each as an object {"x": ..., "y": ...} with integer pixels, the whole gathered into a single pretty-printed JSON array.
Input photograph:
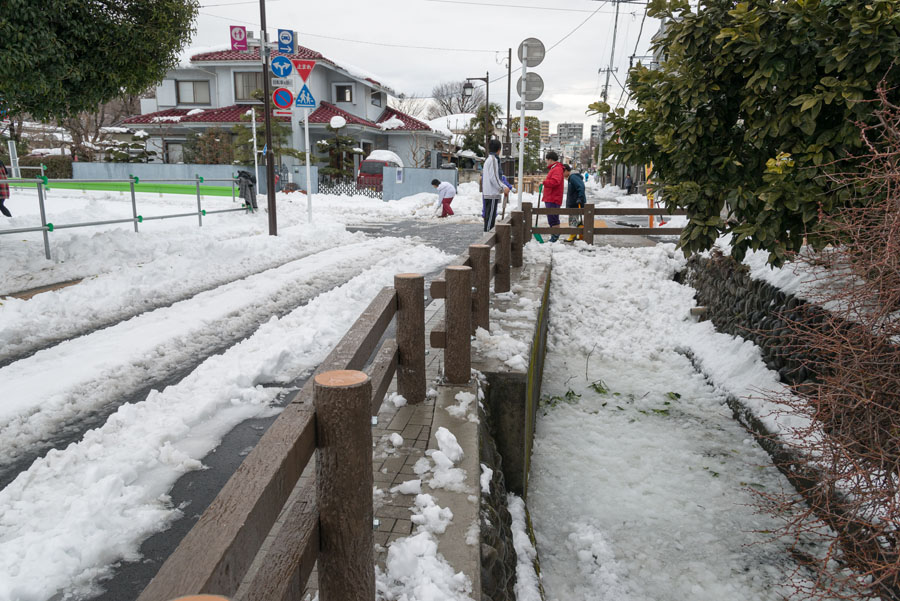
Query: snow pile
[
  {"x": 410, "y": 487},
  {"x": 337, "y": 122},
  {"x": 485, "y": 479},
  {"x": 415, "y": 571},
  {"x": 642, "y": 484},
  {"x": 385, "y": 155},
  {"x": 498, "y": 344},
  {"x": 396, "y": 439},
  {"x": 393, "y": 123},
  {"x": 448, "y": 445},
  {"x": 194, "y": 112},
  {"x": 461, "y": 408},
  {"x": 527, "y": 586},
  {"x": 110, "y": 129},
  {"x": 429, "y": 516},
  {"x": 141, "y": 134},
  {"x": 397, "y": 400}
]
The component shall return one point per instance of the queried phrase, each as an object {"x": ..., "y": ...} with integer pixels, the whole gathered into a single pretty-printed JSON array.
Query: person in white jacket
[
  {"x": 492, "y": 187},
  {"x": 445, "y": 192}
]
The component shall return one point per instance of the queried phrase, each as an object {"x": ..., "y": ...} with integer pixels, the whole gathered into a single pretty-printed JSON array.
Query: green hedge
[{"x": 58, "y": 167}]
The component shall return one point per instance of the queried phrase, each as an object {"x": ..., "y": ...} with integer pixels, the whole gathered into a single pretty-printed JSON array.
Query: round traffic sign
[
  {"x": 238, "y": 34},
  {"x": 281, "y": 66},
  {"x": 283, "y": 98},
  {"x": 534, "y": 87},
  {"x": 525, "y": 131},
  {"x": 536, "y": 51}
]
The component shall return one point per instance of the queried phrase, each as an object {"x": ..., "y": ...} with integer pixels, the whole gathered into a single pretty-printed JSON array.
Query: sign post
[
  {"x": 523, "y": 51},
  {"x": 531, "y": 54},
  {"x": 270, "y": 156},
  {"x": 285, "y": 41},
  {"x": 305, "y": 99},
  {"x": 238, "y": 37}
]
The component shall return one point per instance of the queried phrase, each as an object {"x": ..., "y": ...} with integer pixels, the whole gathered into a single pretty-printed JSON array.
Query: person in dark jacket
[
  {"x": 247, "y": 188},
  {"x": 629, "y": 185},
  {"x": 553, "y": 189},
  {"x": 4, "y": 190},
  {"x": 575, "y": 197}
]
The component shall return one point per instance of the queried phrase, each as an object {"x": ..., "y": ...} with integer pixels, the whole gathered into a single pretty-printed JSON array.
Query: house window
[
  {"x": 246, "y": 83},
  {"x": 174, "y": 152},
  {"x": 376, "y": 98},
  {"x": 343, "y": 92},
  {"x": 192, "y": 92},
  {"x": 367, "y": 148}
]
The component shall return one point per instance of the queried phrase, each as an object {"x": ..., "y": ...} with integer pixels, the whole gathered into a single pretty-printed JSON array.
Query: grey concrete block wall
[{"x": 414, "y": 181}]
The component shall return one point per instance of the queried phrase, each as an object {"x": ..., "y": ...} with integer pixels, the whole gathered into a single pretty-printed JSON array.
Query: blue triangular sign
[{"x": 305, "y": 99}]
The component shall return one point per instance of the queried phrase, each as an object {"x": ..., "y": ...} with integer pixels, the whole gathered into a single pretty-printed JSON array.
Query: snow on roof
[
  {"x": 467, "y": 154},
  {"x": 166, "y": 118},
  {"x": 42, "y": 152},
  {"x": 115, "y": 130},
  {"x": 455, "y": 124},
  {"x": 393, "y": 123},
  {"x": 141, "y": 134},
  {"x": 385, "y": 155},
  {"x": 195, "y": 111}
]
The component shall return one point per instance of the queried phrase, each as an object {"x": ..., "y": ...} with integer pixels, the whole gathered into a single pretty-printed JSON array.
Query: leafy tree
[
  {"x": 61, "y": 57},
  {"x": 753, "y": 106},
  {"x": 532, "y": 163},
  {"x": 212, "y": 147},
  {"x": 281, "y": 138},
  {"x": 339, "y": 152},
  {"x": 474, "y": 136}
]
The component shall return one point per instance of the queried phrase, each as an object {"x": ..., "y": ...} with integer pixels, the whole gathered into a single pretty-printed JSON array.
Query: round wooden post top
[
  {"x": 408, "y": 275},
  {"x": 479, "y": 246},
  {"x": 202, "y": 598},
  {"x": 458, "y": 268},
  {"x": 341, "y": 378}
]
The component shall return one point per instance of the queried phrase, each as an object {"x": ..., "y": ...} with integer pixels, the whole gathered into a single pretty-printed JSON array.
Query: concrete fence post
[
  {"x": 517, "y": 238},
  {"x": 458, "y": 319},
  {"x": 410, "y": 289},
  {"x": 41, "y": 192},
  {"x": 133, "y": 204},
  {"x": 589, "y": 224},
  {"x": 502, "y": 257},
  {"x": 481, "y": 268},
  {"x": 526, "y": 222},
  {"x": 199, "y": 208},
  {"x": 343, "y": 401}
]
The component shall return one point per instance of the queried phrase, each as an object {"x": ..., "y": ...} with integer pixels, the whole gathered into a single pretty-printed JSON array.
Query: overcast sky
[{"x": 467, "y": 37}]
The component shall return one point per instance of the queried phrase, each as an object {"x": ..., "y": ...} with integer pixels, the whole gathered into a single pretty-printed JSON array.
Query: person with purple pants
[{"x": 553, "y": 189}]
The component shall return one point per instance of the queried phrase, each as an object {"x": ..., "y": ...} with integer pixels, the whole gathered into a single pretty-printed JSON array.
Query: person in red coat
[{"x": 553, "y": 189}]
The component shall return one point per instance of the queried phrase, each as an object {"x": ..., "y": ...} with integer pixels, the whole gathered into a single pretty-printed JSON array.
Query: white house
[{"x": 215, "y": 89}]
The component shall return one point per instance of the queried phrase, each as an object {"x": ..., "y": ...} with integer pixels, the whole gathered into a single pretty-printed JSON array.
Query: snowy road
[{"x": 642, "y": 484}]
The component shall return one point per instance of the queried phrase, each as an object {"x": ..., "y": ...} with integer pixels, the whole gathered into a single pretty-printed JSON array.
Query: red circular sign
[{"x": 283, "y": 98}]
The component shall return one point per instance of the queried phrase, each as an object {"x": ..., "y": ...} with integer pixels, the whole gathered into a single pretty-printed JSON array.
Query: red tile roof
[
  {"x": 253, "y": 55},
  {"x": 225, "y": 114},
  {"x": 326, "y": 111},
  {"x": 409, "y": 123}
]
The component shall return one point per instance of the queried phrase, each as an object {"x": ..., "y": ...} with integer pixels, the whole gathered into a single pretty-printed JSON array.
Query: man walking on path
[
  {"x": 629, "y": 186},
  {"x": 491, "y": 185},
  {"x": 445, "y": 192},
  {"x": 553, "y": 189},
  {"x": 4, "y": 190},
  {"x": 575, "y": 198}
]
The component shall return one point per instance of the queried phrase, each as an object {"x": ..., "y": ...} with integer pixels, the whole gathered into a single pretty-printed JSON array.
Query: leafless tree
[
  {"x": 411, "y": 105},
  {"x": 448, "y": 99},
  {"x": 85, "y": 127},
  {"x": 419, "y": 151}
]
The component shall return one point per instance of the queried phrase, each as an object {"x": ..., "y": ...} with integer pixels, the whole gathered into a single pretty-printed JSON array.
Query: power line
[
  {"x": 384, "y": 44},
  {"x": 576, "y": 29}
]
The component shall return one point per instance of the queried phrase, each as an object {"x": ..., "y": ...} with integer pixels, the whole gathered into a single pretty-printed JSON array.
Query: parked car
[{"x": 370, "y": 173}]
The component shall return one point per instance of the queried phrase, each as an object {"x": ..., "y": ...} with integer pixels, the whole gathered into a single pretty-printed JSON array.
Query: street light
[{"x": 468, "y": 90}]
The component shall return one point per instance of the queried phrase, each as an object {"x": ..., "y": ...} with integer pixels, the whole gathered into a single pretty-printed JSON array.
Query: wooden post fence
[
  {"x": 344, "y": 483},
  {"x": 481, "y": 268},
  {"x": 502, "y": 258},
  {"x": 515, "y": 219},
  {"x": 411, "y": 336},
  {"x": 458, "y": 319}
]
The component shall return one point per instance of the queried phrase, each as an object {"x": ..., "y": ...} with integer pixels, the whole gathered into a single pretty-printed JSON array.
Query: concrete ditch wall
[{"x": 507, "y": 421}]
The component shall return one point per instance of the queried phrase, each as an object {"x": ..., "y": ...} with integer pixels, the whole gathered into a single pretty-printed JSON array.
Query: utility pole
[
  {"x": 508, "y": 106},
  {"x": 270, "y": 151},
  {"x": 609, "y": 71}
]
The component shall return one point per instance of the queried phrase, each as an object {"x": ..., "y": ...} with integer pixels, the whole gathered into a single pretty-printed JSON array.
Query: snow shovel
[{"x": 538, "y": 237}]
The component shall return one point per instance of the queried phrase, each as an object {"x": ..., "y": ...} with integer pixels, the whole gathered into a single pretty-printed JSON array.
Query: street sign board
[
  {"x": 530, "y": 106},
  {"x": 533, "y": 88},
  {"x": 281, "y": 66},
  {"x": 285, "y": 41},
  {"x": 283, "y": 98},
  {"x": 305, "y": 99},
  {"x": 238, "y": 37},
  {"x": 525, "y": 131},
  {"x": 536, "y": 52},
  {"x": 304, "y": 68},
  {"x": 283, "y": 112},
  {"x": 282, "y": 82}
]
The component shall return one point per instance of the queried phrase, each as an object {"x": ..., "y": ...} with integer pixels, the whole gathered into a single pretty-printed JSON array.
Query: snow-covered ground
[
  {"x": 642, "y": 484},
  {"x": 262, "y": 310}
]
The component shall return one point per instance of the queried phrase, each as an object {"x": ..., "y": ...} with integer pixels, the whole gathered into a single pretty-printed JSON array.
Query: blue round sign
[
  {"x": 281, "y": 66},
  {"x": 282, "y": 97}
]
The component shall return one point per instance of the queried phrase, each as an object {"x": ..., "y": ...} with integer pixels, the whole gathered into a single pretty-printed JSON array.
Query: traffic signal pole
[{"x": 270, "y": 154}]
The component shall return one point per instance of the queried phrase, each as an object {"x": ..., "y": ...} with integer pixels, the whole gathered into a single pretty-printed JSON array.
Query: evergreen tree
[
  {"x": 212, "y": 147},
  {"x": 533, "y": 162},
  {"x": 474, "y": 136},
  {"x": 339, "y": 152},
  {"x": 281, "y": 138}
]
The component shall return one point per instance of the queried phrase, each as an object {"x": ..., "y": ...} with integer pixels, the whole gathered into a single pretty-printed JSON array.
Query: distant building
[
  {"x": 595, "y": 133},
  {"x": 545, "y": 132},
  {"x": 570, "y": 132}
]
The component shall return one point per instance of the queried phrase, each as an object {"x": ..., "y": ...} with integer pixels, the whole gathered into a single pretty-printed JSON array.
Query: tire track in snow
[
  {"x": 98, "y": 373},
  {"x": 19, "y": 344}
]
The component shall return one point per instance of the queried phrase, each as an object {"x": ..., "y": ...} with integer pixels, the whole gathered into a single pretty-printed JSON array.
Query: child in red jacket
[{"x": 553, "y": 189}]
